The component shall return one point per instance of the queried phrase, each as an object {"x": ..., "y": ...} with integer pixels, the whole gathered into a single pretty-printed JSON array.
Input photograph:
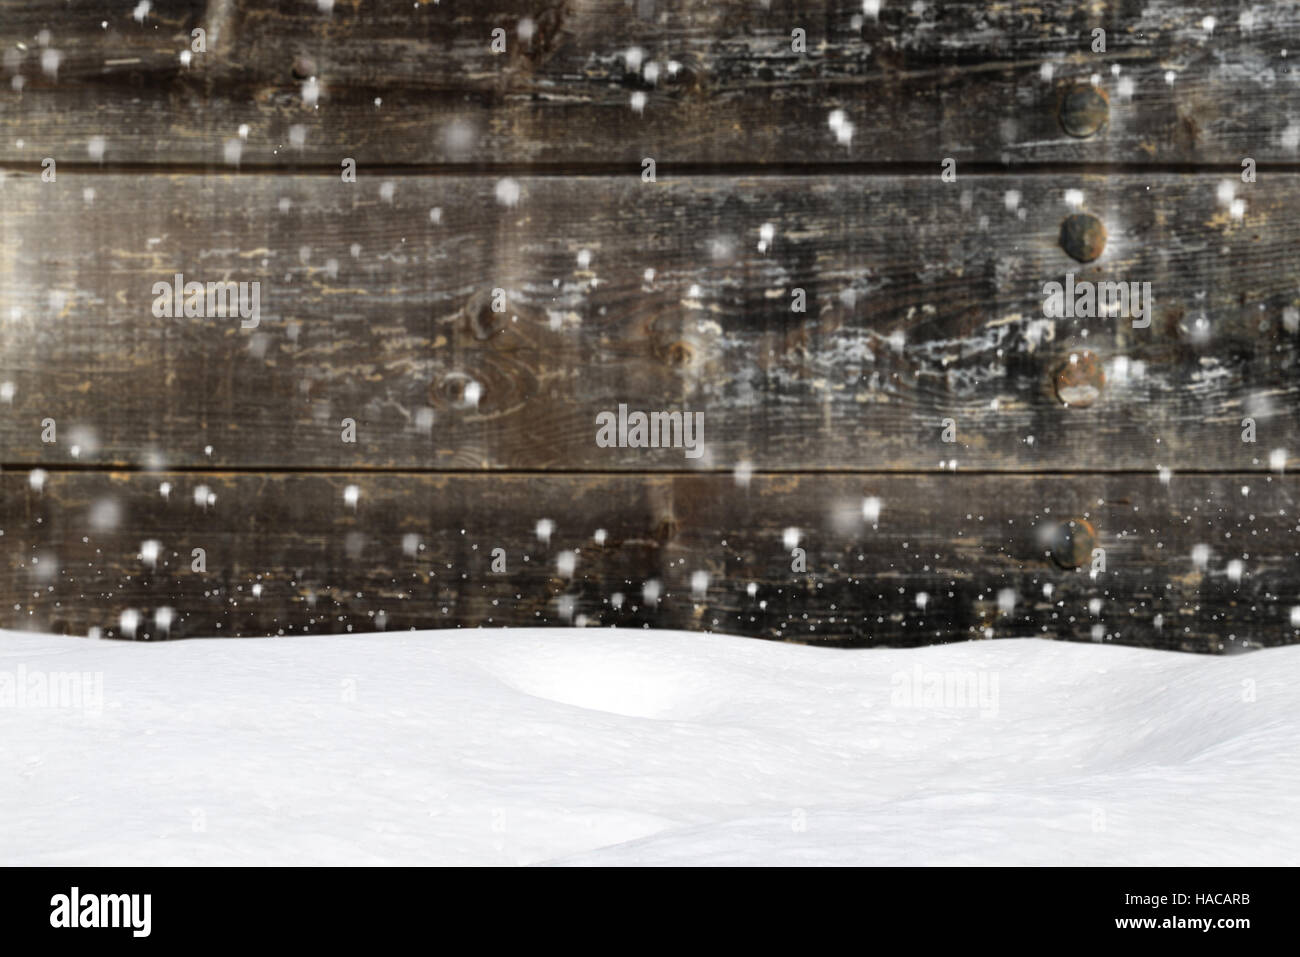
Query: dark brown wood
[
  {"x": 419, "y": 83},
  {"x": 925, "y": 303},
  {"x": 888, "y": 560},
  {"x": 1103, "y": 481}
]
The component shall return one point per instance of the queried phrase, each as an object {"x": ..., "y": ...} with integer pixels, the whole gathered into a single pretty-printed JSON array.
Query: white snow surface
[{"x": 586, "y": 746}]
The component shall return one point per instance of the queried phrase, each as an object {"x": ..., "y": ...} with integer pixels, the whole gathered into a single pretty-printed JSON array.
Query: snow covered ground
[{"x": 638, "y": 747}]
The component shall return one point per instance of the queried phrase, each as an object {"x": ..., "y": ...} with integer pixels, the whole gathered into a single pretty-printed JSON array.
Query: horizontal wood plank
[
  {"x": 923, "y": 346},
  {"x": 1203, "y": 563},
  {"x": 1197, "y": 81}
]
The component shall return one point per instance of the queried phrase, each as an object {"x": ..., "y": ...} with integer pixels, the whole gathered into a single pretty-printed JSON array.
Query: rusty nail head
[
  {"x": 1079, "y": 380},
  {"x": 1083, "y": 236},
  {"x": 1073, "y": 542},
  {"x": 1084, "y": 111}
]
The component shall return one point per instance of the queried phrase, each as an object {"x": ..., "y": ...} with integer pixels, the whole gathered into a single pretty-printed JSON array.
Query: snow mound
[{"x": 641, "y": 747}]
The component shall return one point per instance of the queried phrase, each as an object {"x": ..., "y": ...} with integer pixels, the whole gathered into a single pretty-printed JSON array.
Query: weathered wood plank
[
  {"x": 925, "y": 303},
  {"x": 1205, "y": 563},
  {"x": 1195, "y": 81}
]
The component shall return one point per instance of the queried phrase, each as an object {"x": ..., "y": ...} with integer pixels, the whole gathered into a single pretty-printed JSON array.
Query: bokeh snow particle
[
  {"x": 507, "y": 192},
  {"x": 565, "y": 563},
  {"x": 129, "y": 621},
  {"x": 105, "y": 515},
  {"x": 842, "y": 128},
  {"x": 699, "y": 583},
  {"x": 424, "y": 417},
  {"x": 1201, "y": 556}
]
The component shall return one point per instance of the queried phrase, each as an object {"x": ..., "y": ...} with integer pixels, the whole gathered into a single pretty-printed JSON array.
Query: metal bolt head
[
  {"x": 1083, "y": 236},
  {"x": 1079, "y": 380},
  {"x": 1073, "y": 542},
  {"x": 1084, "y": 111}
]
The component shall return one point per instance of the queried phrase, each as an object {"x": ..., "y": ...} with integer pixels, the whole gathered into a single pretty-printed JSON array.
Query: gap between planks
[
  {"x": 667, "y": 170},
  {"x": 107, "y": 468}
]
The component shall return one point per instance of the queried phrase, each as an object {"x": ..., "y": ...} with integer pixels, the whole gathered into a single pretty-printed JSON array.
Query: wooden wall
[{"x": 951, "y": 462}]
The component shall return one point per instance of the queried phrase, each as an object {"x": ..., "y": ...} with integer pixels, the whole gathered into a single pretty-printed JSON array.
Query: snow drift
[{"x": 625, "y": 747}]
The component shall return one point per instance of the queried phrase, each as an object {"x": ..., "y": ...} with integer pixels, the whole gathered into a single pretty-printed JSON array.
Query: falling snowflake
[
  {"x": 129, "y": 621},
  {"x": 565, "y": 563},
  {"x": 507, "y": 192}
]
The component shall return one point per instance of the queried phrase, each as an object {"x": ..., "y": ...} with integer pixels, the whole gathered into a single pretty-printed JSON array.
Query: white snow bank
[{"x": 621, "y": 747}]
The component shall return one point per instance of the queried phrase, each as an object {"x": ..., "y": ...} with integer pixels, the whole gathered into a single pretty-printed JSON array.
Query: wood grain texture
[
  {"x": 924, "y": 303},
  {"x": 944, "y": 557},
  {"x": 418, "y": 83},
  {"x": 778, "y": 171}
]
